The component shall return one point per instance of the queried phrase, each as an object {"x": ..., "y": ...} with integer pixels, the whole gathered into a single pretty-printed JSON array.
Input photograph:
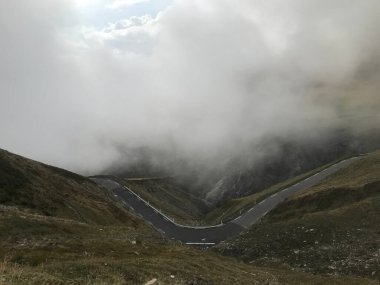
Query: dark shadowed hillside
[{"x": 50, "y": 191}]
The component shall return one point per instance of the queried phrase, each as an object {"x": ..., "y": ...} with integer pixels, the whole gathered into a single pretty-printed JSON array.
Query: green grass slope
[
  {"x": 332, "y": 228},
  {"x": 170, "y": 197},
  {"x": 50, "y": 191}
]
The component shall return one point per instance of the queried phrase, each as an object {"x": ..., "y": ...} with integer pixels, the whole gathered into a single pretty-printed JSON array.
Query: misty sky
[{"x": 83, "y": 80}]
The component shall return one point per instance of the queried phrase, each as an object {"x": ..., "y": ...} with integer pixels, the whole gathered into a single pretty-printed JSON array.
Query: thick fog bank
[{"x": 201, "y": 90}]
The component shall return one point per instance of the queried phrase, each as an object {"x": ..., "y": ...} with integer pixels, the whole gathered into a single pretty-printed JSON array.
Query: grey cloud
[{"x": 206, "y": 81}]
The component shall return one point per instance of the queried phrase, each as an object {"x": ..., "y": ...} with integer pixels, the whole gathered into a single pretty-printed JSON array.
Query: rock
[{"x": 152, "y": 282}]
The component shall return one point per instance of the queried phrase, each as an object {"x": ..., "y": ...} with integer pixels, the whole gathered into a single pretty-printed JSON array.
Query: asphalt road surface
[{"x": 213, "y": 234}]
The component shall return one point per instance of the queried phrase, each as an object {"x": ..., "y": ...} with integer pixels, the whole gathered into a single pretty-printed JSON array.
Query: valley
[{"x": 81, "y": 234}]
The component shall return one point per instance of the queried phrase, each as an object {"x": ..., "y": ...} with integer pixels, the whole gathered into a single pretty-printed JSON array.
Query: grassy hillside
[
  {"x": 332, "y": 228},
  {"x": 69, "y": 231},
  {"x": 50, "y": 191},
  {"x": 170, "y": 197},
  {"x": 50, "y": 251},
  {"x": 175, "y": 201},
  {"x": 235, "y": 207}
]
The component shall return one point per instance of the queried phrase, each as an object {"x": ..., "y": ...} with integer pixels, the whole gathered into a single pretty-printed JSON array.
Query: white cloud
[
  {"x": 124, "y": 3},
  {"x": 135, "y": 35},
  {"x": 204, "y": 80}
]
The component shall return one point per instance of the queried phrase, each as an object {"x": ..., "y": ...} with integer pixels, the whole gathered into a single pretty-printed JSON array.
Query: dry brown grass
[{"x": 84, "y": 238}]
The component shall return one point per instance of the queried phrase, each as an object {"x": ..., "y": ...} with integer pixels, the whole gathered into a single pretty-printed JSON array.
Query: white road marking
[
  {"x": 200, "y": 243},
  {"x": 269, "y": 205}
]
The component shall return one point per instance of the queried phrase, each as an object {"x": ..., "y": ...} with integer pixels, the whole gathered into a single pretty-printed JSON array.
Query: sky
[{"x": 84, "y": 82}]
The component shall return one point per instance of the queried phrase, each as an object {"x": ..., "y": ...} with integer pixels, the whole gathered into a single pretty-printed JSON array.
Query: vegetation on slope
[
  {"x": 37, "y": 249},
  {"x": 51, "y": 191},
  {"x": 45, "y": 250},
  {"x": 168, "y": 196},
  {"x": 331, "y": 228},
  {"x": 235, "y": 207},
  {"x": 81, "y": 246}
]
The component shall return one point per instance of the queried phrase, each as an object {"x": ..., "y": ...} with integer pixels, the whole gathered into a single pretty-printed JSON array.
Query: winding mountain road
[{"x": 213, "y": 234}]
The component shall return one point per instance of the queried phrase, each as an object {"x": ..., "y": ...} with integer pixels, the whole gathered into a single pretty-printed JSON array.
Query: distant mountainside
[
  {"x": 276, "y": 159},
  {"x": 289, "y": 158},
  {"x": 331, "y": 228}
]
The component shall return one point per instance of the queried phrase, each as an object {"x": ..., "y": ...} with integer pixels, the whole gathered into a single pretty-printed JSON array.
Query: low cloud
[
  {"x": 204, "y": 81},
  {"x": 124, "y": 3}
]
